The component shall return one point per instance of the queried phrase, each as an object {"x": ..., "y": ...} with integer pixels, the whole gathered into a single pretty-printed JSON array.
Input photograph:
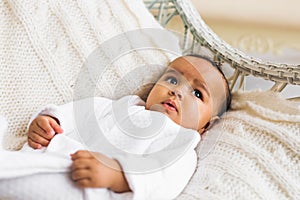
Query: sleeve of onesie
[
  {"x": 73, "y": 112},
  {"x": 62, "y": 113},
  {"x": 165, "y": 183}
]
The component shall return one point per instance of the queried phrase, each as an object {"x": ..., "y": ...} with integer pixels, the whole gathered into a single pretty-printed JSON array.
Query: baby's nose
[{"x": 177, "y": 93}]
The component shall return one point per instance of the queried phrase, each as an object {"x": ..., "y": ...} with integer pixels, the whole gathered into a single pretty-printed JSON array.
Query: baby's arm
[
  {"x": 165, "y": 182},
  {"x": 41, "y": 130},
  {"x": 63, "y": 118},
  {"x": 95, "y": 170},
  {"x": 48, "y": 121}
]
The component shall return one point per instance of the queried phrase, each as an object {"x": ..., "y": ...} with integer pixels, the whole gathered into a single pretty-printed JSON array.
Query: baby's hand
[
  {"x": 41, "y": 130},
  {"x": 95, "y": 170}
]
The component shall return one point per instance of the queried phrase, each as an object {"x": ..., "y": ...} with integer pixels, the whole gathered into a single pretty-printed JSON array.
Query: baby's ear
[{"x": 209, "y": 124}]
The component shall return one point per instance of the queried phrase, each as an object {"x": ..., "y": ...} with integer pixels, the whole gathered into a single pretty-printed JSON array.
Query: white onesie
[{"x": 157, "y": 155}]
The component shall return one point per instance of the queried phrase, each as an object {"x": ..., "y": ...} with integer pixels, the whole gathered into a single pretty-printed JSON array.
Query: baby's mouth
[{"x": 170, "y": 105}]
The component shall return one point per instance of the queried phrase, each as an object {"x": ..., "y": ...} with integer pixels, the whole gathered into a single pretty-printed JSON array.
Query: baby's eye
[
  {"x": 172, "y": 80},
  {"x": 197, "y": 94}
]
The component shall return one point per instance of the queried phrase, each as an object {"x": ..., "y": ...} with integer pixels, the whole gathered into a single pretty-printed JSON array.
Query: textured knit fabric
[
  {"x": 252, "y": 153},
  {"x": 44, "y": 44}
]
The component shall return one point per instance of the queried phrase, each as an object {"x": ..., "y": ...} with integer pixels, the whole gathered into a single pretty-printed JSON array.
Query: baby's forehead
[{"x": 193, "y": 66}]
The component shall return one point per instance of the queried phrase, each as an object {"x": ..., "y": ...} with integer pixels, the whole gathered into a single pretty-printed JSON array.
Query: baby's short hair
[{"x": 228, "y": 93}]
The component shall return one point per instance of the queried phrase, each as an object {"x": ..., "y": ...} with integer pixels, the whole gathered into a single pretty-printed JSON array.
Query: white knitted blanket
[
  {"x": 44, "y": 45},
  {"x": 252, "y": 153}
]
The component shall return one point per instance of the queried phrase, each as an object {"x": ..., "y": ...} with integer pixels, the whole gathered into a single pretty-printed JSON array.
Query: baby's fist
[{"x": 41, "y": 130}]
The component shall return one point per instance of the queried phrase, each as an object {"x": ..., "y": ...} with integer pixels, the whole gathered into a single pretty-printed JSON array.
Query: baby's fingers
[
  {"x": 34, "y": 140},
  {"x": 83, "y": 183},
  {"x": 80, "y": 174},
  {"x": 83, "y": 178},
  {"x": 81, "y": 154},
  {"x": 35, "y": 130},
  {"x": 47, "y": 129},
  {"x": 55, "y": 126},
  {"x": 33, "y": 144}
]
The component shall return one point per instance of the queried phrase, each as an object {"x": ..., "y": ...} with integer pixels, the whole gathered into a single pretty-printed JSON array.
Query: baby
[{"x": 192, "y": 92}]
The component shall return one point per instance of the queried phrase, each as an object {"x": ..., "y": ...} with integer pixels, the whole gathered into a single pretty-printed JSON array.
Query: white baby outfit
[{"x": 157, "y": 156}]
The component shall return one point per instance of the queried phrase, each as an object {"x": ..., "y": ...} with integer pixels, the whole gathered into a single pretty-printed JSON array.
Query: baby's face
[{"x": 188, "y": 92}]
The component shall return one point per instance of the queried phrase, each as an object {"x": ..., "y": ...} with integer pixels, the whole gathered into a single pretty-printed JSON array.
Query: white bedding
[{"x": 45, "y": 174}]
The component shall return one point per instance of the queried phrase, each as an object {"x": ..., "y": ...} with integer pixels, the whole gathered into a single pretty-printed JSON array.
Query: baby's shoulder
[{"x": 131, "y": 100}]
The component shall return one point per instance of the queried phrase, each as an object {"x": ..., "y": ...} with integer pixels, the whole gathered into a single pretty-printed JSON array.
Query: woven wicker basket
[{"x": 197, "y": 35}]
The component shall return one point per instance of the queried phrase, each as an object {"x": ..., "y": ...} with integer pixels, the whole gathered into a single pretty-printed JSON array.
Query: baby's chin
[
  {"x": 173, "y": 116},
  {"x": 170, "y": 114},
  {"x": 157, "y": 108},
  {"x": 160, "y": 108}
]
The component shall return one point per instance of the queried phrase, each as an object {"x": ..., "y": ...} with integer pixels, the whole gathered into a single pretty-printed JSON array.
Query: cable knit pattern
[
  {"x": 253, "y": 152},
  {"x": 44, "y": 45}
]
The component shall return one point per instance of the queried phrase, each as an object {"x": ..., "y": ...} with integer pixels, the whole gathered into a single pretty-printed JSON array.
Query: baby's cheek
[{"x": 190, "y": 119}]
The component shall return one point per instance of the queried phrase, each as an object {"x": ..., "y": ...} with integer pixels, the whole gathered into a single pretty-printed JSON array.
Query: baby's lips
[{"x": 171, "y": 103}]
